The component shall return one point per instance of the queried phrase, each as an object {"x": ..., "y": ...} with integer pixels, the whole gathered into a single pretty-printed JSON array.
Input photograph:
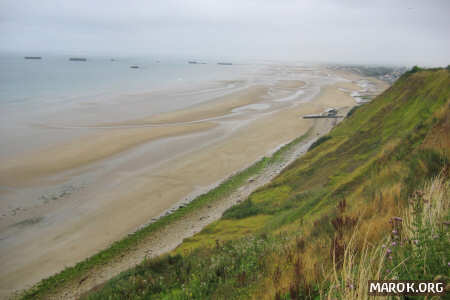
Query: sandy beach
[{"x": 64, "y": 202}]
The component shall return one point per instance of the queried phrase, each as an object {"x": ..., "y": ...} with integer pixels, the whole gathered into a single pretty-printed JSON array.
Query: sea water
[{"x": 55, "y": 79}]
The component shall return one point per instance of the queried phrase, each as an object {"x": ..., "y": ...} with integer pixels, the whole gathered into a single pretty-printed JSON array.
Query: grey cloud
[{"x": 379, "y": 31}]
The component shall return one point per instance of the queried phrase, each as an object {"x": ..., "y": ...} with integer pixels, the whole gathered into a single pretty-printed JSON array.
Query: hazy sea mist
[
  {"x": 55, "y": 79},
  {"x": 56, "y": 92}
]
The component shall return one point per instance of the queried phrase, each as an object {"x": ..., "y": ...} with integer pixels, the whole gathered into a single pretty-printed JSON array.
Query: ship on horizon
[
  {"x": 77, "y": 59},
  {"x": 194, "y": 62}
]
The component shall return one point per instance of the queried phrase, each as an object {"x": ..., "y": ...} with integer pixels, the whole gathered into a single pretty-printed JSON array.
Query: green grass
[
  {"x": 421, "y": 246},
  {"x": 376, "y": 149},
  {"x": 120, "y": 247},
  {"x": 221, "y": 231},
  {"x": 278, "y": 242},
  {"x": 416, "y": 247},
  {"x": 226, "y": 270},
  {"x": 322, "y": 139}
]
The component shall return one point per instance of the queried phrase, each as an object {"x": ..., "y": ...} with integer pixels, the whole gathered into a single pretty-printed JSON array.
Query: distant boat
[
  {"x": 224, "y": 63},
  {"x": 77, "y": 59},
  {"x": 112, "y": 59},
  {"x": 33, "y": 57},
  {"x": 194, "y": 62},
  {"x": 134, "y": 67}
]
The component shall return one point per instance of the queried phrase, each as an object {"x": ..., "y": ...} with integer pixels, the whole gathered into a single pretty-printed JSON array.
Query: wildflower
[
  {"x": 394, "y": 232},
  {"x": 388, "y": 271},
  {"x": 389, "y": 251},
  {"x": 383, "y": 246},
  {"x": 398, "y": 219},
  {"x": 390, "y": 257},
  {"x": 394, "y": 243},
  {"x": 448, "y": 264}
]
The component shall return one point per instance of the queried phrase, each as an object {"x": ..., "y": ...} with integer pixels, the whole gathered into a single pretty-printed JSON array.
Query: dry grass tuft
[{"x": 427, "y": 208}]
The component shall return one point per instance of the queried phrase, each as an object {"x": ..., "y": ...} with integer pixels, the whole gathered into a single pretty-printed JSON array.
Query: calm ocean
[{"x": 55, "y": 79}]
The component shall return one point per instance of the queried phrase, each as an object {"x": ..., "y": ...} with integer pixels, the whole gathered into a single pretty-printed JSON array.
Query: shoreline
[
  {"x": 194, "y": 165},
  {"x": 171, "y": 228}
]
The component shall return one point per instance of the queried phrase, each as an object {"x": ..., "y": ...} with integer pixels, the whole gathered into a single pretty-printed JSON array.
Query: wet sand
[
  {"x": 168, "y": 238},
  {"x": 85, "y": 150},
  {"x": 97, "y": 188}
]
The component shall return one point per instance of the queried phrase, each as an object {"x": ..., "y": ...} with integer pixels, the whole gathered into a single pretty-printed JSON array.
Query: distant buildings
[
  {"x": 389, "y": 74},
  {"x": 330, "y": 112}
]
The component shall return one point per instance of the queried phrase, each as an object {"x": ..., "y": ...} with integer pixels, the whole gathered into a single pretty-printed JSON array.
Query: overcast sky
[{"x": 359, "y": 31}]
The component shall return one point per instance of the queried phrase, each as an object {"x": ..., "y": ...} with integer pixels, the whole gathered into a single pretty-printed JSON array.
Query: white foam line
[
  {"x": 257, "y": 106},
  {"x": 291, "y": 97}
]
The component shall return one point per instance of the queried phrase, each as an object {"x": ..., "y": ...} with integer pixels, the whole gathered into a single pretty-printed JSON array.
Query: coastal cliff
[{"x": 325, "y": 214}]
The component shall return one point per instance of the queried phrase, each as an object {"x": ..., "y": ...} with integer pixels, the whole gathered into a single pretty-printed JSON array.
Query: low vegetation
[
  {"x": 416, "y": 248},
  {"x": 327, "y": 223},
  {"x": 119, "y": 248},
  {"x": 324, "y": 138}
]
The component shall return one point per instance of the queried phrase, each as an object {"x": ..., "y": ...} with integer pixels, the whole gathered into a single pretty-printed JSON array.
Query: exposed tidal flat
[{"x": 105, "y": 167}]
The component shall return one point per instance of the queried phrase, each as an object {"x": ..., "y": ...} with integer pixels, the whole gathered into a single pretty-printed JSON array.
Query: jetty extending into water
[
  {"x": 33, "y": 57},
  {"x": 329, "y": 113},
  {"x": 321, "y": 117}
]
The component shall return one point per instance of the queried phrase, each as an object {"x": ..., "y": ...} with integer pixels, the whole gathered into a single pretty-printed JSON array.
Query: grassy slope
[{"x": 281, "y": 240}]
